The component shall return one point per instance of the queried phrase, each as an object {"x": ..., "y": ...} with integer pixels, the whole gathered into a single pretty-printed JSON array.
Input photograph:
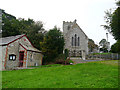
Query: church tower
[{"x": 76, "y": 41}]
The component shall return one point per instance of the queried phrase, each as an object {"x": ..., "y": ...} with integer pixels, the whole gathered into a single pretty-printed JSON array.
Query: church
[{"x": 76, "y": 41}]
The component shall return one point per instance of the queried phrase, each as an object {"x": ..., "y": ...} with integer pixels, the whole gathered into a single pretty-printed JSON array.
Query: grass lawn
[
  {"x": 101, "y": 53},
  {"x": 103, "y": 74}
]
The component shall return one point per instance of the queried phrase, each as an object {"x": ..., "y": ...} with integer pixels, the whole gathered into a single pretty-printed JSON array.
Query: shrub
[{"x": 61, "y": 59}]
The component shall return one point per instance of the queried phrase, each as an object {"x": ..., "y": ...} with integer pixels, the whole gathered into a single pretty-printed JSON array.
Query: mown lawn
[{"x": 85, "y": 75}]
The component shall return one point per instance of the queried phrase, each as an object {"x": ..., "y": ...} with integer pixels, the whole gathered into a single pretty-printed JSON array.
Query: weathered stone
[
  {"x": 11, "y": 46},
  {"x": 76, "y": 41}
]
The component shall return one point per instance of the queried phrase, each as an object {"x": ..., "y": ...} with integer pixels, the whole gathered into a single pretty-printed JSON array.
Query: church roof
[{"x": 75, "y": 25}]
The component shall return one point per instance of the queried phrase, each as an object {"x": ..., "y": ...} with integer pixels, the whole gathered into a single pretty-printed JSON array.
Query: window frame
[{"x": 12, "y": 57}]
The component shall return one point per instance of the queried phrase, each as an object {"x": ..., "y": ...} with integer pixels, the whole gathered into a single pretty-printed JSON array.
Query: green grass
[
  {"x": 101, "y": 53},
  {"x": 84, "y": 75}
]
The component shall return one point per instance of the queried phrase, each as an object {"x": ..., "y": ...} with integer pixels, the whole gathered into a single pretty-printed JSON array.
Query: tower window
[
  {"x": 75, "y": 40},
  {"x": 68, "y": 27},
  {"x": 72, "y": 40},
  {"x": 78, "y": 41}
]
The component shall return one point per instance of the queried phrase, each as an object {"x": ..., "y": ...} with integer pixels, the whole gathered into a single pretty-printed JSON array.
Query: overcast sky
[{"x": 88, "y": 13}]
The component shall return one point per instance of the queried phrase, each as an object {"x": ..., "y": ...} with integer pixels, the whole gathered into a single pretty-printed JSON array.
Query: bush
[
  {"x": 61, "y": 59},
  {"x": 70, "y": 61}
]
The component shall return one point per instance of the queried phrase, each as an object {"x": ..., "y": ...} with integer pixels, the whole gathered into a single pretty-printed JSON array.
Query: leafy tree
[
  {"x": 66, "y": 54},
  {"x": 103, "y": 43},
  {"x": 115, "y": 48},
  {"x": 10, "y": 25},
  {"x": 113, "y": 25},
  {"x": 91, "y": 45},
  {"x": 33, "y": 30},
  {"x": 112, "y": 19},
  {"x": 52, "y": 45}
]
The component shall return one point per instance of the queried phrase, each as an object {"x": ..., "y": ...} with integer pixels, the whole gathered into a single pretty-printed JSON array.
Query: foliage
[
  {"x": 66, "y": 53},
  {"x": 115, "y": 24},
  {"x": 103, "y": 43},
  {"x": 92, "y": 45},
  {"x": 103, "y": 74},
  {"x": 104, "y": 50},
  {"x": 112, "y": 20},
  {"x": 52, "y": 45},
  {"x": 70, "y": 61},
  {"x": 115, "y": 48},
  {"x": 61, "y": 59},
  {"x": 12, "y": 26}
]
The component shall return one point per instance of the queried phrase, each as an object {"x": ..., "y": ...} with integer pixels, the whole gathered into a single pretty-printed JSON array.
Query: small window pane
[
  {"x": 13, "y": 57},
  {"x": 10, "y": 57}
]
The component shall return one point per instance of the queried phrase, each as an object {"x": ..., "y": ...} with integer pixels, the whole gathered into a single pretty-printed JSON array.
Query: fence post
[
  {"x": 117, "y": 56},
  {"x": 112, "y": 56}
]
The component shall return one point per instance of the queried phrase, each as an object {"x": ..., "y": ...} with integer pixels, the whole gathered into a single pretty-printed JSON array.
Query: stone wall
[
  {"x": 30, "y": 57},
  {"x": 34, "y": 58}
]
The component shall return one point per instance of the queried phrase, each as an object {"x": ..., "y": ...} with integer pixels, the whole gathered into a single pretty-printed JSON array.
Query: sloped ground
[
  {"x": 101, "y": 74},
  {"x": 76, "y": 61}
]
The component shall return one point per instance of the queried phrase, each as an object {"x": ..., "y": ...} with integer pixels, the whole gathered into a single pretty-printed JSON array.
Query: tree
[
  {"x": 113, "y": 25},
  {"x": 12, "y": 26},
  {"x": 103, "y": 43},
  {"x": 52, "y": 45},
  {"x": 66, "y": 54},
  {"x": 115, "y": 48},
  {"x": 112, "y": 20},
  {"x": 91, "y": 45}
]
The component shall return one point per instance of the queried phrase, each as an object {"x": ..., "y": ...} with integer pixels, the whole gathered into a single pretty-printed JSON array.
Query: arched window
[
  {"x": 75, "y": 40},
  {"x": 78, "y": 41},
  {"x": 68, "y": 27},
  {"x": 72, "y": 41}
]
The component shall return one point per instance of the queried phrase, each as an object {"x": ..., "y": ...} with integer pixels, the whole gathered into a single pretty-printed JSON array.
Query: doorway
[{"x": 21, "y": 58}]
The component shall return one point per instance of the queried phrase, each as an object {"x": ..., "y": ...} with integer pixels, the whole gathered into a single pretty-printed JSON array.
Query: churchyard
[{"x": 101, "y": 74}]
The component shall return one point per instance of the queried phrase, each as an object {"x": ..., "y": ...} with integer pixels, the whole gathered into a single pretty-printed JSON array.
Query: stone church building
[{"x": 76, "y": 41}]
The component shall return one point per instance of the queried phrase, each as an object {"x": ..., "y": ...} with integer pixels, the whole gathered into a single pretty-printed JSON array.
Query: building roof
[
  {"x": 30, "y": 48},
  {"x": 74, "y": 24},
  {"x": 10, "y": 39},
  {"x": 7, "y": 40}
]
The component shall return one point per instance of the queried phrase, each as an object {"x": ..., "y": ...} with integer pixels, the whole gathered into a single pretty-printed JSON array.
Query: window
[
  {"x": 72, "y": 41},
  {"x": 12, "y": 57},
  {"x": 78, "y": 41},
  {"x": 68, "y": 28},
  {"x": 75, "y": 39}
]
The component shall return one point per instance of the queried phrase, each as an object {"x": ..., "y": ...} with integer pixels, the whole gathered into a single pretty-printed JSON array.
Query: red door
[{"x": 21, "y": 58}]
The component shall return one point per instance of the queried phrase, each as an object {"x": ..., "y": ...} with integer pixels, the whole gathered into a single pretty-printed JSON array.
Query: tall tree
[
  {"x": 113, "y": 26},
  {"x": 33, "y": 30},
  {"x": 104, "y": 45},
  {"x": 92, "y": 45},
  {"x": 52, "y": 44},
  {"x": 112, "y": 20}
]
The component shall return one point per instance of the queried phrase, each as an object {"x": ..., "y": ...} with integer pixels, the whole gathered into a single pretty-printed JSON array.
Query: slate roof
[
  {"x": 31, "y": 48},
  {"x": 7, "y": 40}
]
